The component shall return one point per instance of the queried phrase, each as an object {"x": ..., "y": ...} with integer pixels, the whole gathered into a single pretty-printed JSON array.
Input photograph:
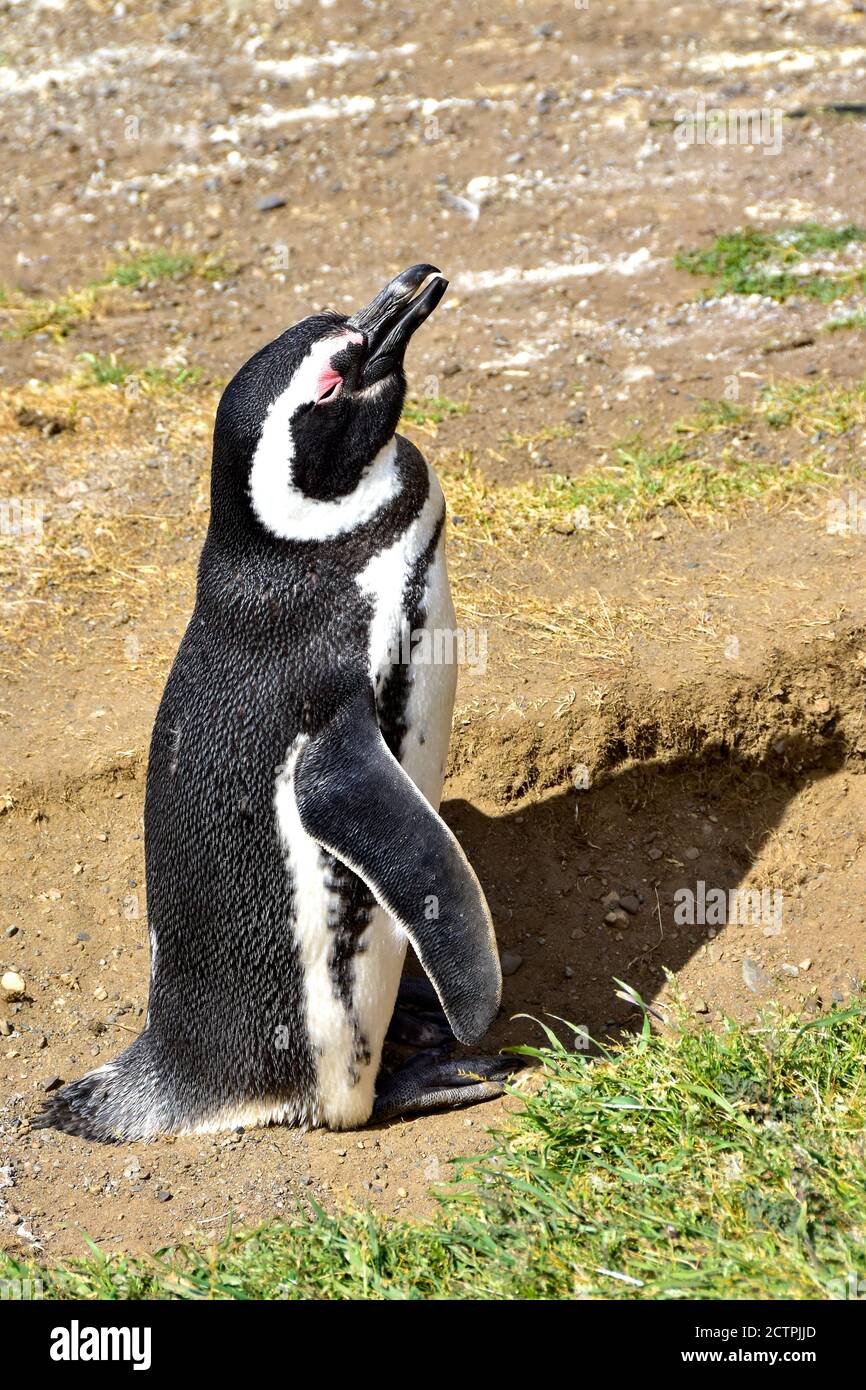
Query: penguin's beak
[{"x": 390, "y": 319}]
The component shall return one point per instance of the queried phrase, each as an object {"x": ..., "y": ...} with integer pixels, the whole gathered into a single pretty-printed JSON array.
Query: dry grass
[
  {"x": 101, "y": 552},
  {"x": 104, "y": 550}
]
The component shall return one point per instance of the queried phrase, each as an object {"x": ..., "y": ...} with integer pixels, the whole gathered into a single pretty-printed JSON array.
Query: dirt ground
[{"x": 617, "y": 741}]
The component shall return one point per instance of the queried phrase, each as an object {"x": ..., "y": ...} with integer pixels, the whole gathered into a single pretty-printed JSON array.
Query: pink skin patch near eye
[{"x": 330, "y": 381}]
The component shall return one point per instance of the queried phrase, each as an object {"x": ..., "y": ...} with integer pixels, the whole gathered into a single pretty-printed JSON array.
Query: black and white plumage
[{"x": 292, "y": 842}]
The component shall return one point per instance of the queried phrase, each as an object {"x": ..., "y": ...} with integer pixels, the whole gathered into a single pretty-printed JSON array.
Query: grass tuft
[
  {"x": 643, "y": 482},
  {"x": 814, "y": 409},
  {"x": 427, "y": 412},
  {"x": 774, "y": 264},
  {"x": 149, "y": 268},
  {"x": 109, "y": 371},
  {"x": 715, "y": 461},
  {"x": 855, "y": 320},
  {"x": 60, "y": 317}
]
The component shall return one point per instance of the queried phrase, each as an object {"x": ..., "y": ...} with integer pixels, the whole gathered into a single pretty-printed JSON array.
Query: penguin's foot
[
  {"x": 419, "y": 1019},
  {"x": 435, "y": 1081}
]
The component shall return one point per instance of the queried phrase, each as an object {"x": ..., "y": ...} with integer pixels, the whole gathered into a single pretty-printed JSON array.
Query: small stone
[
  {"x": 12, "y": 985},
  {"x": 162, "y": 1194},
  {"x": 100, "y": 993},
  {"x": 754, "y": 978},
  {"x": 639, "y": 371},
  {"x": 270, "y": 203},
  {"x": 654, "y": 853},
  {"x": 12, "y": 931},
  {"x": 790, "y": 969},
  {"x": 617, "y": 919},
  {"x": 5, "y": 1028},
  {"x": 806, "y": 964},
  {"x": 568, "y": 973},
  {"x": 821, "y": 705},
  {"x": 701, "y": 1006},
  {"x": 693, "y": 853},
  {"x": 510, "y": 962},
  {"x": 630, "y": 903},
  {"x": 610, "y": 902},
  {"x": 401, "y": 1192},
  {"x": 51, "y": 1083}
]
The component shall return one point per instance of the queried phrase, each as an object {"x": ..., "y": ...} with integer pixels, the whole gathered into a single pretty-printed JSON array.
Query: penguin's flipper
[{"x": 355, "y": 799}]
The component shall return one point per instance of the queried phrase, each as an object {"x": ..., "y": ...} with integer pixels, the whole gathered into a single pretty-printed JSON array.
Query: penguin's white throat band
[{"x": 287, "y": 512}]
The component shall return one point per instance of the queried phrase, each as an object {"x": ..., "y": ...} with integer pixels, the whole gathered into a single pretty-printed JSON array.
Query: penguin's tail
[{"x": 113, "y": 1103}]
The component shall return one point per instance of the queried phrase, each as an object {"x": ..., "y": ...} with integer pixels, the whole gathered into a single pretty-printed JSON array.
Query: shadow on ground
[{"x": 647, "y": 831}]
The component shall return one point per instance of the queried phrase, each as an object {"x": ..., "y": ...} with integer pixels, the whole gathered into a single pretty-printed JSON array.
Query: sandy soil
[{"x": 530, "y": 154}]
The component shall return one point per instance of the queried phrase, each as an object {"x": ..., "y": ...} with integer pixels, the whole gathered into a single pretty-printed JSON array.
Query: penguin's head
[{"x": 308, "y": 419}]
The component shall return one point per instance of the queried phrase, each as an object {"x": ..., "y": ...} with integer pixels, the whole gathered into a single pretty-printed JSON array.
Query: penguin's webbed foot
[
  {"x": 419, "y": 1019},
  {"x": 434, "y": 1080}
]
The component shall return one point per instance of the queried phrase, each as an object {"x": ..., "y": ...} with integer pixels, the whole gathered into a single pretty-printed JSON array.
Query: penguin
[{"x": 293, "y": 846}]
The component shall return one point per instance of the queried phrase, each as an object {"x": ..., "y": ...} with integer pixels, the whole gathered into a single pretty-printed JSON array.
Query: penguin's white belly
[
  {"x": 431, "y": 694},
  {"x": 345, "y": 1088},
  {"x": 430, "y": 704}
]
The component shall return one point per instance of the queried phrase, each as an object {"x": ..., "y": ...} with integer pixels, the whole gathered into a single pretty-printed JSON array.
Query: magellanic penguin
[{"x": 292, "y": 841}]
